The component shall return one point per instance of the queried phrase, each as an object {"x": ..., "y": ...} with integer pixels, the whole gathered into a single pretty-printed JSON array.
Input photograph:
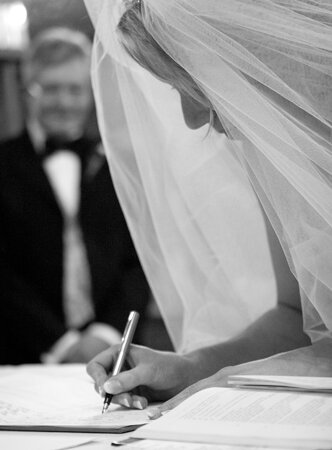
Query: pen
[{"x": 126, "y": 340}]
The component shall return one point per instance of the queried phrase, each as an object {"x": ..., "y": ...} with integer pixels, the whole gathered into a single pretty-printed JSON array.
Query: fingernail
[
  {"x": 154, "y": 413},
  {"x": 112, "y": 387},
  {"x": 125, "y": 402},
  {"x": 101, "y": 391},
  {"x": 138, "y": 404}
]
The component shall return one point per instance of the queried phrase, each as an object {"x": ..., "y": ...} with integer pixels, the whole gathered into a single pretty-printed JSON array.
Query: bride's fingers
[
  {"x": 130, "y": 400},
  {"x": 99, "y": 366},
  {"x": 127, "y": 381},
  {"x": 98, "y": 374}
]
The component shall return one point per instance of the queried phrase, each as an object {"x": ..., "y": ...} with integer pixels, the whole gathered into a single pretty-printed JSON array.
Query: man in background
[{"x": 69, "y": 273}]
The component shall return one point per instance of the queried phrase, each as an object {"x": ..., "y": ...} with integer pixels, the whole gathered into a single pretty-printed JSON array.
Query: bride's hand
[{"x": 150, "y": 375}]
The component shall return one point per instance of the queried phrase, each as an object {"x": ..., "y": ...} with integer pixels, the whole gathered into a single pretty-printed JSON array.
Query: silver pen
[{"x": 126, "y": 340}]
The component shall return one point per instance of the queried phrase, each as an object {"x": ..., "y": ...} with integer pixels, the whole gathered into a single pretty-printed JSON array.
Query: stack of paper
[
  {"x": 234, "y": 416},
  {"x": 312, "y": 384},
  {"x": 288, "y": 414},
  {"x": 59, "y": 398}
]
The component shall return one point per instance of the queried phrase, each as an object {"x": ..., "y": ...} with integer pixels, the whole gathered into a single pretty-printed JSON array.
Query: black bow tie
[
  {"x": 54, "y": 145},
  {"x": 82, "y": 147}
]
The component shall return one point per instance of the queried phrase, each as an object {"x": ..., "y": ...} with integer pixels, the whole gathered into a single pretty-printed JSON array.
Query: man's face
[{"x": 61, "y": 98}]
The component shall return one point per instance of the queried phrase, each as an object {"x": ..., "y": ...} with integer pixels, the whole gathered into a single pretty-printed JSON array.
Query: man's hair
[{"x": 55, "y": 46}]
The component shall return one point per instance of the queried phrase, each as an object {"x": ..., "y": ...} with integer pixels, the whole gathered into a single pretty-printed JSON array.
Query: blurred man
[{"x": 69, "y": 272}]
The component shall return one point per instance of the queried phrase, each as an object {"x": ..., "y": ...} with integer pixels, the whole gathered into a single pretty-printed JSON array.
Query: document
[
  {"x": 313, "y": 384},
  {"x": 247, "y": 417},
  {"x": 59, "y": 399},
  {"x": 41, "y": 442}
]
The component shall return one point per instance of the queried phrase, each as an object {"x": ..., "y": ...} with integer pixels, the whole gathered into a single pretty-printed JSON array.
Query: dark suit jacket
[{"x": 31, "y": 271}]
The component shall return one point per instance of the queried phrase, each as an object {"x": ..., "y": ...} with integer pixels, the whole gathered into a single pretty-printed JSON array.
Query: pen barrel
[{"x": 126, "y": 341}]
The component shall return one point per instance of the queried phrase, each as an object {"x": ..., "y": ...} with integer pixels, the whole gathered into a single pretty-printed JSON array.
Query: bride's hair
[{"x": 146, "y": 51}]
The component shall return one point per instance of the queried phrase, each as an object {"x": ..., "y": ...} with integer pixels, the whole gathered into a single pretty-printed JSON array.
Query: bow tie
[{"x": 78, "y": 146}]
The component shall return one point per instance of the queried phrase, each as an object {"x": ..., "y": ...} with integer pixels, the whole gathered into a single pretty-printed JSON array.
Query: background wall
[{"x": 45, "y": 13}]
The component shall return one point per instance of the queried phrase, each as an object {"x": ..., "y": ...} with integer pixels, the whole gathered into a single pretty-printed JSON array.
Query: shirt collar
[{"x": 37, "y": 135}]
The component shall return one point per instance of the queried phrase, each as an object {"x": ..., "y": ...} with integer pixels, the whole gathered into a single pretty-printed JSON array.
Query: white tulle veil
[{"x": 266, "y": 67}]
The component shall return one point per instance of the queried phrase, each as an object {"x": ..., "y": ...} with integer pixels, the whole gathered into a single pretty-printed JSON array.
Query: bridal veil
[{"x": 193, "y": 198}]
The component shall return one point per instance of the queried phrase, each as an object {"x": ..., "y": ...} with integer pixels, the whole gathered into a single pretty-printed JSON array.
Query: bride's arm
[
  {"x": 274, "y": 345},
  {"x": 278, "y": 330},
  {"x": 166, "y": 374}
]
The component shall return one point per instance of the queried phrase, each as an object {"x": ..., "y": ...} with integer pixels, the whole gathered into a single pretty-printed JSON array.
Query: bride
[{"x": 216, "y": 115}]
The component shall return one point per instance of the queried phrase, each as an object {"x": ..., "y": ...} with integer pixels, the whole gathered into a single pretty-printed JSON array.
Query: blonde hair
[{"x": 146, "y": 51}]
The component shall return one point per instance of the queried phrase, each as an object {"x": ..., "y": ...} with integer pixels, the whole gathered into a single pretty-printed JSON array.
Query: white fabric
[
  {"x": 63, "y": 170},
  {"x": 266, "y": 67}
]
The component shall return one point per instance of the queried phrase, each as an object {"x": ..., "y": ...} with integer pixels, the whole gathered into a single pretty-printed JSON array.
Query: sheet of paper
[
  {"x": 10, "y": 441},
  {"x": 61, "y": 399},
  {"x": 151, "y": 444},
  {"x": 314, "y": 384},
  {"x": 247, "y": 417}
]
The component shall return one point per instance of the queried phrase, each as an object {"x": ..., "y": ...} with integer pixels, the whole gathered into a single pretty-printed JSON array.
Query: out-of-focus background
[{"x": 19, "y": 21}]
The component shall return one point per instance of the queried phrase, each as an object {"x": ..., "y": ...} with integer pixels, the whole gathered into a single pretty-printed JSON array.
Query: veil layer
[{"x": 193, "y": 198}]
